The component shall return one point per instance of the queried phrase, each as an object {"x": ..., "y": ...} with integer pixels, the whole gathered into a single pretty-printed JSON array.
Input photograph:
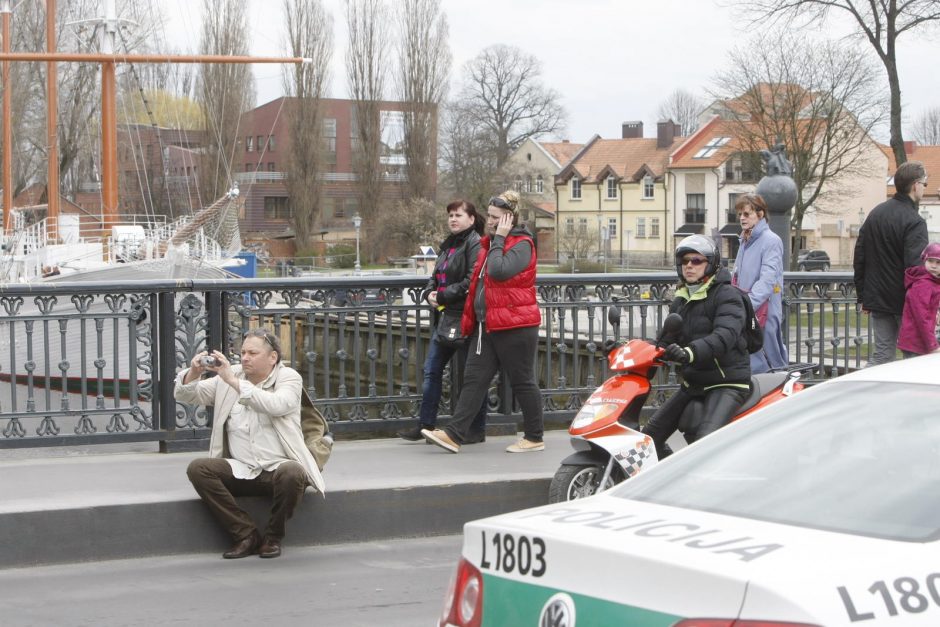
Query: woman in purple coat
[
  {"x": 917, "y": 335},
  {"x": 758, "y": 270}
]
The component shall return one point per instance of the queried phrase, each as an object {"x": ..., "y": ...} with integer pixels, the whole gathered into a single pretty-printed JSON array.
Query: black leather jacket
[
  {"x": 890, "y": 241},
  {"x": 456, "y": 268},
  {"x": 713, "y": 326}
]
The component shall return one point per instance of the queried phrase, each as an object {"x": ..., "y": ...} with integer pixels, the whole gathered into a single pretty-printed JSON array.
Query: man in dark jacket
[
  {"x": 715, "y": 366},
  {"x": 890, "y": 241}
]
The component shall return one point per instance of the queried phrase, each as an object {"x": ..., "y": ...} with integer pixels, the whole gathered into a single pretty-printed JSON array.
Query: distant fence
[{"x": 84, "y": 363}]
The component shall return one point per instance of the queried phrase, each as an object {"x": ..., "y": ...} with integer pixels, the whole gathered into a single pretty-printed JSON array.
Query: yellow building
[{"x": 612, "y": 199}]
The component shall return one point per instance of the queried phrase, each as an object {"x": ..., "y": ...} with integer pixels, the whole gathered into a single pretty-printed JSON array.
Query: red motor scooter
[{"x": 605, "y": 432}]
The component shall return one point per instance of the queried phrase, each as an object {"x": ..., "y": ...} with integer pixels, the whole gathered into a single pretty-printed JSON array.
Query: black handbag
[{"x": 448, "y": 330}]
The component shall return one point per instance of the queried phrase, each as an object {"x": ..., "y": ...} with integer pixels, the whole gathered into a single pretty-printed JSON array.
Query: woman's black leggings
[{"x": 712, "y": 409}]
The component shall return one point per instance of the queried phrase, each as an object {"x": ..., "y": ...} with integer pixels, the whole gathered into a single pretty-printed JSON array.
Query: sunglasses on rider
[{"x": 695, "y": 261}]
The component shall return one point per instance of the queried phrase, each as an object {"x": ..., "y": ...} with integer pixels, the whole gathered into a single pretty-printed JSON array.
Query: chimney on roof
[
  {"x": 666, "y": 132},
  {"x": 631, "y": 130},
  {"x": 909, "y": 147}
]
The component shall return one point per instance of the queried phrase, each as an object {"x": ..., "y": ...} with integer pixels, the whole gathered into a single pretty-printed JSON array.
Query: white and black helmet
[{"x": 702, "y": 245}]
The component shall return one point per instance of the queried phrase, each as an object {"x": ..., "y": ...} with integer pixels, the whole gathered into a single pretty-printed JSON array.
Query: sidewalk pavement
[{"x": 95, "y": 507}]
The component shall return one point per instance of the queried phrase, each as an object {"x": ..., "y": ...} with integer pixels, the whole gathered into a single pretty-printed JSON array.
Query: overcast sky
[{"x": 611, "y": 60}]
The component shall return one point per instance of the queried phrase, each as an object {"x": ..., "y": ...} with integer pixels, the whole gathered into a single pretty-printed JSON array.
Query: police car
[{"x": 822, "y": 509}]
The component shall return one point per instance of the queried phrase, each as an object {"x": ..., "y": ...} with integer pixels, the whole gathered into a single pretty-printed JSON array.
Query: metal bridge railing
[{"x": 89, "y": 363}]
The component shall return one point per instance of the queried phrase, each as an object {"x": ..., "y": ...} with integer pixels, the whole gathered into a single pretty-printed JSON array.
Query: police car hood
[{"x": 667, "y": 563}]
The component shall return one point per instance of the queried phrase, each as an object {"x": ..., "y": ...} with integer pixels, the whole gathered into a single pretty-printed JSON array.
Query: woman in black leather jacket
[
  {"x": 711, "y": 351},
  {"x": 447, "y": 290}
]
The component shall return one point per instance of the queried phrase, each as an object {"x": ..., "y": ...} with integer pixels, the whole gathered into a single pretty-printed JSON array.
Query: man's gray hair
[{"x": 268, "y": 337}]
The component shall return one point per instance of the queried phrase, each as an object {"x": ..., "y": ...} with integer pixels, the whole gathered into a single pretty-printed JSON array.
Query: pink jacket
[{"x": 918, "y": 322}]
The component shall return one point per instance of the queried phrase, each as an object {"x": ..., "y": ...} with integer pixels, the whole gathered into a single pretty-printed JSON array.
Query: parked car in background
[
  {"x": 813, "y": 260},
  {"x": 820, "y": 509}
]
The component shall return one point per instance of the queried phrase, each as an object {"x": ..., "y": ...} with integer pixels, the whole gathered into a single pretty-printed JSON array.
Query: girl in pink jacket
[{"x": 917, "y": 335}]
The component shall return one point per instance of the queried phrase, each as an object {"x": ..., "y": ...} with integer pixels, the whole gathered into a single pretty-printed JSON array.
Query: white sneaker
[{"x": 525, "y": 446}]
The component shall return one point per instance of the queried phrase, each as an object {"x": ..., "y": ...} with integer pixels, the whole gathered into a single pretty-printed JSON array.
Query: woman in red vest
[{"x": 502, "y": 318}]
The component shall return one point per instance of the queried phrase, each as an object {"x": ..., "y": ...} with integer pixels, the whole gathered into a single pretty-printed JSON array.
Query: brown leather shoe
[
  {"x": 244, "y": 547},
  {"x": 271, "y": 547}
]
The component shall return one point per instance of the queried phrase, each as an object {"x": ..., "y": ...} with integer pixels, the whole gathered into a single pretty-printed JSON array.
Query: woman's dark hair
[{"x": 478, "y": 221}]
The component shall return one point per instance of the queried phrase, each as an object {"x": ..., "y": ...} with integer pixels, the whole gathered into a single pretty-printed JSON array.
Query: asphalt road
[{"x": 393, "y": 583}]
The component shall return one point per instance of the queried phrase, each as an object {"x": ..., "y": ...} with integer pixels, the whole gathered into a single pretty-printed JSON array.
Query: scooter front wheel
[{"x": 578, "y": 482}]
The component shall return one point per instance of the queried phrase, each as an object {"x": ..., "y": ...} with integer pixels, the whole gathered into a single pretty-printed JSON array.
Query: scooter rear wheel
[{"x": 578, "y": 482}]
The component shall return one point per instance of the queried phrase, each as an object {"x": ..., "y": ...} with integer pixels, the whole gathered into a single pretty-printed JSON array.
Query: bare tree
[
  {"x": 882, "y": 24},
  {"x": 577, "y": 243},
  {"x": 818, "y": 98},
  {"x": 365, "y": 75},
  {"x": 503, "y": 84},
  {"x": 424, "y": 66},
  {"x": 683, "y": 108},
  {"x": 225, "y": 91},
  {"x": 309, "y": 35},
  {"x": 468, "y": 154},
  {"x": 926, "y": 129},
  {"x": 410, "y": 224}
]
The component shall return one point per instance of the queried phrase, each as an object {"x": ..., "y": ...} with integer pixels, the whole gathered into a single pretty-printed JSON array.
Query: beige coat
[{"x": 279, "y": 398}]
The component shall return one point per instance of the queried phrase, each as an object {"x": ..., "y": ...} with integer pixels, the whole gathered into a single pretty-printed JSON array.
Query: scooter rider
[{"x": 710, "y": 349}]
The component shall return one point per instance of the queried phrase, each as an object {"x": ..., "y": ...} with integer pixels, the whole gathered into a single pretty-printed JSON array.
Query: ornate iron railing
[{"x": 95, "y": 363}]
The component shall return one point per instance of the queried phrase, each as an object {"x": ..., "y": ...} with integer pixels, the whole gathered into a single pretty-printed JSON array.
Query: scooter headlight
[{"x": 593, "y": 413}]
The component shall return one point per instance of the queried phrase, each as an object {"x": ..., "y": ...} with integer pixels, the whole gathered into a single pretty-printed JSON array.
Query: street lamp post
[
  {"x": 357, "y": 222},
  {"x": 628, "y": 232}
]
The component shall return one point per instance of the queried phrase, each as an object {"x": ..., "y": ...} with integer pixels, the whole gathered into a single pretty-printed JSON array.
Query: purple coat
[
  {"x": 919, "y": 320},
  {"x": 758, "y": 270}
]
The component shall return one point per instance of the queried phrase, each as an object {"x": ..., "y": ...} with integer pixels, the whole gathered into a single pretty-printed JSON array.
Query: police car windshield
[{"x": 852, "y": 457}]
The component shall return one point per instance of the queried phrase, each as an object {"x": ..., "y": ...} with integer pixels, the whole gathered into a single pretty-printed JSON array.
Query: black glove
[
  {"x": 610, "y": 345},
  {"x": 678, "y": 354}
]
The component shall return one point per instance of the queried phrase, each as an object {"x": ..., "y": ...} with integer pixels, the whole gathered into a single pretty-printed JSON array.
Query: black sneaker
[
  {"x": 475, "y": 437},
  {"x": 412, "y": 435}
]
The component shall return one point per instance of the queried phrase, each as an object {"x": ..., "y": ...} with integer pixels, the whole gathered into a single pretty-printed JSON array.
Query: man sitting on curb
[{"x": 257, "y": 445}]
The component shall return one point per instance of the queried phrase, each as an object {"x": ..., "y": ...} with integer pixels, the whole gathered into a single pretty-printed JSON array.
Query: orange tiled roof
[
  {"x": 562, "y": 152},
  {"x": 929, "y": 155},
  {"x": 624, "y": 158}
]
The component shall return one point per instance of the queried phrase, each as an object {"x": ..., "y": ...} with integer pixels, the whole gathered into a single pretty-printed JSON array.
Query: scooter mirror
[
  {"x": 672, "y": 326},
  {"x": 613, "y": 314}
]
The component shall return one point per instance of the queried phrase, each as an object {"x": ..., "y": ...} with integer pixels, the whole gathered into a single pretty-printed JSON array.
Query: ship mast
[{"x": 108, "y": 60}]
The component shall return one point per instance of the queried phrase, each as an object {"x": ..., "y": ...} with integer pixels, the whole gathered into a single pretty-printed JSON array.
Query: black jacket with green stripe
[{"x": 713, "y": 327}]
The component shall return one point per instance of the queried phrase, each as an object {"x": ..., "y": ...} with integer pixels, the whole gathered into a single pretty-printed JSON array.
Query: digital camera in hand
[{"x": 209, "y": 360}]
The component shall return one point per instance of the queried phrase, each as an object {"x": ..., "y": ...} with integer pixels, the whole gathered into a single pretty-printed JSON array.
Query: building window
[
  {"x": 649, "y": 187},
  {"x": 582, "y": 226},
  {"x": 569, "y": 226},
  {"x": 270, "y": 166},
  {"x": 329, "y": 136},
  {"x": 654, "y": 228},
  {"x": 611, "y": 228},
  {"x": 695, "y": 208},
  {"x": 271, "y": 143},
  {"x": 518, "y": 184},
  {"x": 276, "y": 208},
  {"x": 339, "y": 209},
  {"x": 711, "y": 147},
  {"x": 260, "y": 140},
  {"x": 575, "y": 188},
  {"x": 641, "y": 227},
  {"x": 611, "y": 188},
  {"x": 539, "y": 184},
  {"x": 528, "y": 184},
  {"x": 352, "y": 206},
  {"x": 732, "y": 214},
  {"x": 248, "y": 167},
  {"x": 249, "y": 144}
]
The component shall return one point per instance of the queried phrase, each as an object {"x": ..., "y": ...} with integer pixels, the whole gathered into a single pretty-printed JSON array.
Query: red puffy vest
[{"x": 510, "y": 304}]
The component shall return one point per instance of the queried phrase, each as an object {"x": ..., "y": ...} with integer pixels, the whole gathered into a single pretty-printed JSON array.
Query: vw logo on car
[{"x": 558, "y": 612}]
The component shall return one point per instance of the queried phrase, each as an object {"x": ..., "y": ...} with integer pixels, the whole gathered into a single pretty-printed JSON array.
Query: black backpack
[{"x": 753, "y": 333}]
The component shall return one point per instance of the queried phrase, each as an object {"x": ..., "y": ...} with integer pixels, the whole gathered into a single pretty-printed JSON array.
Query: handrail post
[{"x": 165, "y": 343}]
